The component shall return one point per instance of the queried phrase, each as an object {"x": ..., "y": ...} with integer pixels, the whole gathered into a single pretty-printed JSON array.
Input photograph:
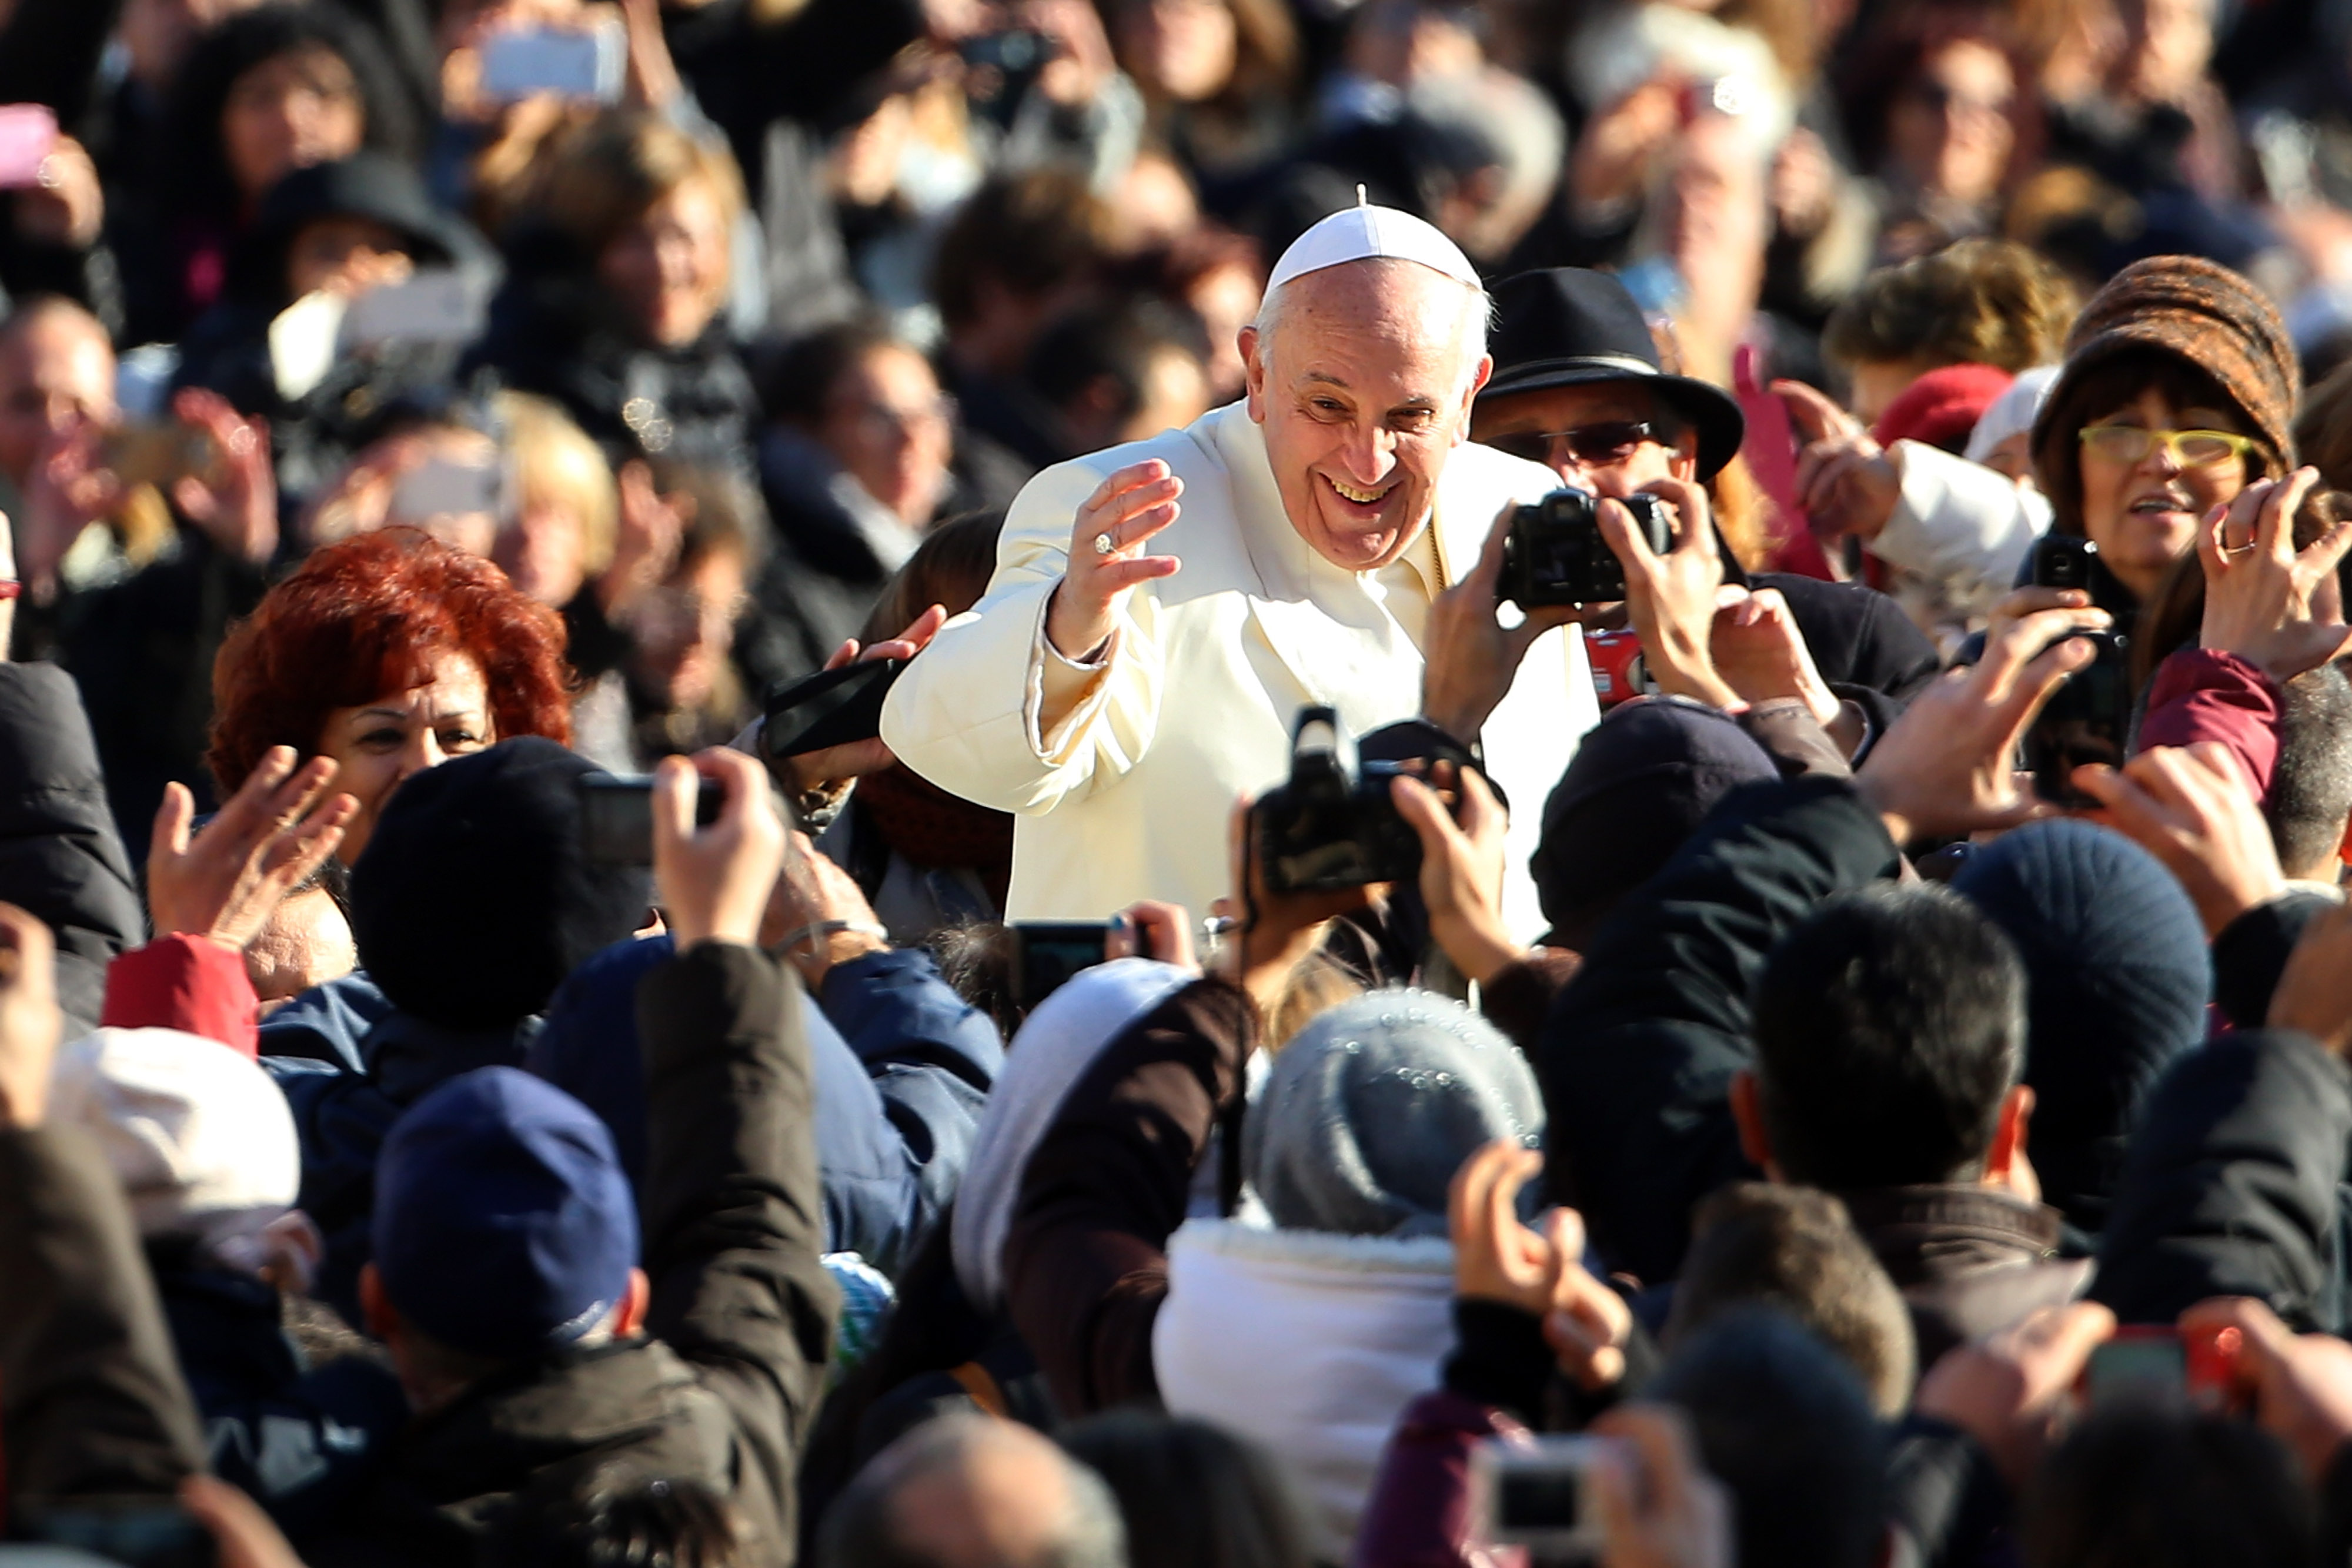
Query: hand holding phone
[
  {"x": 1047, "y": 954},
  {"x": 715, "y": 880},
  {"x": 616, "y": 816}
]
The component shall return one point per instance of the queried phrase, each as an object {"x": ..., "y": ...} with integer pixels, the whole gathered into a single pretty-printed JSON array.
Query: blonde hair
[{"x": 556, "y": 464}]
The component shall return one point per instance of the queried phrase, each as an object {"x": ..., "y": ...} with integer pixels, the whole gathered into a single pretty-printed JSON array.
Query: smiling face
[
  {"x": 379, "y": 743},
  {"x": 669, "y": 269},
  {"x": 2144, "y": 516},
  {"x": 1363, "y": 381}
]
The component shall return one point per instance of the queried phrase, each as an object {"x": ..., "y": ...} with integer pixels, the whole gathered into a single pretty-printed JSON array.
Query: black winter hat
[
  {"x": 1643, "y": 777},
  {"x": 2117, "y": 971},
  {"x": 473, "y": 899},
  {"x": 364, "y": 186},
  {"x": 1565, "y": 326}
]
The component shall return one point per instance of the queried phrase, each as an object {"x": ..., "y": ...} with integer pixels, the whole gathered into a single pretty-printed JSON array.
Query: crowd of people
[{"x": 1304, "y": 1024}]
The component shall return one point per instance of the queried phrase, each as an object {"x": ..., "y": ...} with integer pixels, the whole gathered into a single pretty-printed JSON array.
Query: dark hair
[
  {"x": 224, "y": 53},
  {"x": 1193, "y": 1495},
  {"x": 2310, "y": 798},
  {"x": 1029, "y": 233},
  {"x": 2115, "y": 380},
  {"x": 1977, "y": 301},
  {"x": 975, "y": 958},
  {"x": 2142, "y": 1486},
  {"x": 1792, "y": 1248},
  {"x": 1889, "y": 1027},
  {"x": 951, "y": 567},
  {"x": 616, "y": 1518},
  {"x": 1784, "y": 1425},
  {"x": 799, "y": 381},
  {"x": 1115, "y": 342},
  {"x": 1889, "y": 58}
]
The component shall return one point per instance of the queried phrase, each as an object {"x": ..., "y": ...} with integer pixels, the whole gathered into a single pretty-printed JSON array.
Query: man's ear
[
  {"x": 636, "y": 1302},
  {"x": 1748, "y": 1114},
  {"x": 1684, "y": 464},
  {"x": 2344, "y": 845},
  {"x": 1252, "y": 346},
  {"x": 1478, "y": 380},
  {"x": 2007, "y": 1151},
  {"x": 382, "y": 1321}
]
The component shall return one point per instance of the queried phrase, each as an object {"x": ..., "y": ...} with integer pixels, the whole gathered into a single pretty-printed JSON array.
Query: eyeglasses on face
[
  {"x": 2190, "y": 448},
  {"x": 1601, "y": 446}
]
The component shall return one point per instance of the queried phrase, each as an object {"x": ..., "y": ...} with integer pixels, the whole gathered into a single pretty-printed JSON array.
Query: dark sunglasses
[{"x": 1595, "y": 445}]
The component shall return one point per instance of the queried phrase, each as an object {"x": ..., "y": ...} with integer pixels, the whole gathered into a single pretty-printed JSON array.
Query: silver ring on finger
[{"x": 1104, "y": 545}]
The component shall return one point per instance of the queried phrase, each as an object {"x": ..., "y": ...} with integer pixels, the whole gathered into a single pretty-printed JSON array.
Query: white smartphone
[
  {"x": 585, "y": 65},
  {"x": 440, "y": 305}
]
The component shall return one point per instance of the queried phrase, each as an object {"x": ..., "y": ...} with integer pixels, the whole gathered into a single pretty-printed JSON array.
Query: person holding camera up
[{"x": 1161, "y": 614}]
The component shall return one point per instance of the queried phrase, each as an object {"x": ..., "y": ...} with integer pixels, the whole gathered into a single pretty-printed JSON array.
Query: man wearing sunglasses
[{"x": 1580, "y": 387}]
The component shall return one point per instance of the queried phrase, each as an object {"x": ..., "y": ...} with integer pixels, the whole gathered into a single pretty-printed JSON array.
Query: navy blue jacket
[{"x": 902, "y": 1069}]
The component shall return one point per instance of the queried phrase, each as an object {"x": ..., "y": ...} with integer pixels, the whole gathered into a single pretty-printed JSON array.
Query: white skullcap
[
  {"x": 1363, "y": 232},
  {"x": 193, "y": 1129}
]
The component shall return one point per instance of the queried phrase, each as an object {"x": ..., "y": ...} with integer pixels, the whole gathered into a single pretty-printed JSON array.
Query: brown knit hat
[{"x": 2197, "y": 311}]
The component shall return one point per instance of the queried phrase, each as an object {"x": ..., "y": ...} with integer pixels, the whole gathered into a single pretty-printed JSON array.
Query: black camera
[
  {"x": 1333, "y": 824},
  {"x": 2062, "y": 560},
  {"x": 1554, "y": 553}
]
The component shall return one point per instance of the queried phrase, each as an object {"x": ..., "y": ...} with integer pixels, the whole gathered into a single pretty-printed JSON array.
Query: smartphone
[
  {"x": 138, "y": 1531},
  {"x": 580, "y": 64},
  {"x": 2086, "y": 720},
  {"x": 832, "y": 708},
  {"x": 616, "y": 817},
  {"x": 439, "y": 305},
  {"x": 446, "y": 487},
  {"x": 156, "y": 452},
  {"x": 2062, "y": 560},
  {"x": 28, "y": 134},
  {"x": 2197, "y": 1366},
  {"x": 1534, "y": 1495},
  {"x": 1046, "y": 953}
]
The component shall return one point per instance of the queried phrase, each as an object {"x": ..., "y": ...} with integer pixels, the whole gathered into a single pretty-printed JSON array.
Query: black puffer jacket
[
  {"x": 723, "y": 1385},
  {"x": 60, "y": 856}
]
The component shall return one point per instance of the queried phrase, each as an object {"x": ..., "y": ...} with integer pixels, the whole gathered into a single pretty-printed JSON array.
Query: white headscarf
[
  {"x": 1051, "y": 1052},
  {"x": 2011, "y": 413}
]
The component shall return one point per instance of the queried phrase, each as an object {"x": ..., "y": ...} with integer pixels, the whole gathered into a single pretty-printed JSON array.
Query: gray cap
[{"x": 1373, "y": 1106}]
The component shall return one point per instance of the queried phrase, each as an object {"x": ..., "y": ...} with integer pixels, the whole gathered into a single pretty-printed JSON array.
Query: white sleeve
[{"x": 1960, "y": 525}]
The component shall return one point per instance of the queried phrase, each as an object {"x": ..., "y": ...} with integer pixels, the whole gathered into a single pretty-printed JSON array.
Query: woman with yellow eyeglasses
[{"x": 2178, "y": 391}]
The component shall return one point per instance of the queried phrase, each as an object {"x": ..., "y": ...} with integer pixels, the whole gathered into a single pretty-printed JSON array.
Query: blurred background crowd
[{"x": 695, "y": 315}]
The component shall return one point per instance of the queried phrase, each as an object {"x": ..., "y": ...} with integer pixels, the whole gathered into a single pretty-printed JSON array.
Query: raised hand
[
  {"x": 2258, "y": 590},
  {"x": 225, "y": 883},
  {"x": 815, "y": 770},
  {"x": 1152, "y": 929},
  {"x": 715, "y": 881},
  {"x": 1125, "y": 510},
  {"x": 1472, "y": 658},
  {"x": 2303, "y": 1382},
  {"x": 1462, "y": 863},
  {"x": 2190, "y": 808},
  {"x": 236, "y": 504},
  {"x": 1671, "y": 598},
  {"x": 1496, "y": 1259},
  {"x": 1945, "y": 768},
  {"x": 2010, "y": 1391},
  {"x": 1845, "y": 481},
  {"x": 1760, "y": 652}
]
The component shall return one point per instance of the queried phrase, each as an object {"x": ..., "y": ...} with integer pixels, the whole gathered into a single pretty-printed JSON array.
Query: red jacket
[{"x": 184, "y": 982}]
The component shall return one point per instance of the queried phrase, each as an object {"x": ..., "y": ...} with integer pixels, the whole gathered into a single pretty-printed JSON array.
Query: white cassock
[{"x": 1123, "y": 774}]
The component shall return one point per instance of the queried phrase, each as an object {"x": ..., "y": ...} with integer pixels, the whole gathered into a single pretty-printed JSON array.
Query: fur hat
[{"x": 2201, "y": 313}]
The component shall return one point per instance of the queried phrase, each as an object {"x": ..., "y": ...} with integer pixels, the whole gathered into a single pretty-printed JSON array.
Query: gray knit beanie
[{"x": 1372, "y": 1108}]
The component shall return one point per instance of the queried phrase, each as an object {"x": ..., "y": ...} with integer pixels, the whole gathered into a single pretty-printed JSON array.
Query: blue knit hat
[
  {"x": 503, "y": 1225},
  {"x": 2117, "y": 975}
]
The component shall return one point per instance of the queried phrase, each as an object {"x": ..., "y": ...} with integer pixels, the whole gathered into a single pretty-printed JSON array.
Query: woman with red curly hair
[{"x": 390, "y": 653}]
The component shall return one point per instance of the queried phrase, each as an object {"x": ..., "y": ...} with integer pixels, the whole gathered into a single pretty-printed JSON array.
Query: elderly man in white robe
[{"x": 1161, "y": 612}]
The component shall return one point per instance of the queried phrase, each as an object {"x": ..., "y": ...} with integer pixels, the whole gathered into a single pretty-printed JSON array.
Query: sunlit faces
[
  {"x": 1950, "y": 129},
  {"x": 289, "y": 112},
  {"x": 378, "y": 743},
  {"x": 887, "y": 424},
  {"x": 2144, "y": 516},
  {"x": 669, "y": 269},
  {"x": 686, "y": 630},
  {"x": 1362, "y": 382},
  {"x": 57, "y": 369},
  {"x": 1554, "y": 409}
]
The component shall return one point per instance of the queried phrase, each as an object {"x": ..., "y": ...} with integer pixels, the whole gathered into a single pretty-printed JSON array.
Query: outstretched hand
[
  {"x": 1122, "y": 514},
  {"x": 1672, "y": 598},
  {"x": 1945, "y": 768},
  {"x": 1462, "y": 864},
  {"x": 836, "y": 764},
  {"x": 225, "y": 881},
  {"x": 1472, "y": 656}
]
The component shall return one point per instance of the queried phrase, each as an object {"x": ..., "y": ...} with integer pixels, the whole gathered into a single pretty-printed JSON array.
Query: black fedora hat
[{"x": 1565, "y": 326}]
